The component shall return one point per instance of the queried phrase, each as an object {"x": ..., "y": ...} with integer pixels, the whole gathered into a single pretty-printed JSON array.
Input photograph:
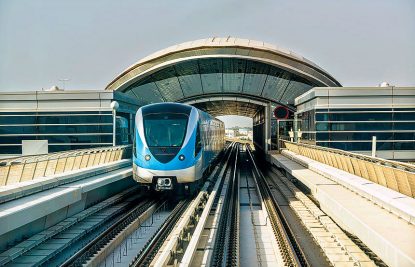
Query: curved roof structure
[{"x": 226, "y": 70}]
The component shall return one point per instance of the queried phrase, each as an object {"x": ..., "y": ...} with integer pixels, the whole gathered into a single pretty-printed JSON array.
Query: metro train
[{"x": 174, "y": 144}]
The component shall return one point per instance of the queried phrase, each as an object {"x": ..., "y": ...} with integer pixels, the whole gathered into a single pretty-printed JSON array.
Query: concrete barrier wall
[{"x": 29, "y": 168}]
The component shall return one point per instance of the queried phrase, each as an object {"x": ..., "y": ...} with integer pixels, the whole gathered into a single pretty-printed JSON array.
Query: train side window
[
  {"x": 198, "y": 146},
  {"x": 134, "y": 145}
]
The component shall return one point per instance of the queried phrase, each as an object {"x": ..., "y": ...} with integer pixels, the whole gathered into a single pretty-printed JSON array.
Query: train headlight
[
  {"x": 147, "y": 157},
  {"x": 181, "y": 157}
]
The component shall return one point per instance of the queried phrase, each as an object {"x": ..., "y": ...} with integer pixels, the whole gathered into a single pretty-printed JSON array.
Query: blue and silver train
[{"x": 173, "y": 145}]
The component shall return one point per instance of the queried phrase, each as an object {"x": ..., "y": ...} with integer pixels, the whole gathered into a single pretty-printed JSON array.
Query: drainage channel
[
  {"x": 258, "y": 247},
  {"x": 291, "y": 252}
]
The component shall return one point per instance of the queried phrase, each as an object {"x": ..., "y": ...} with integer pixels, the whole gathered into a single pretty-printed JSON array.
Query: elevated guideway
[
  {"x": 362, "y": 214},
  {"x": 377, "y": 207}
]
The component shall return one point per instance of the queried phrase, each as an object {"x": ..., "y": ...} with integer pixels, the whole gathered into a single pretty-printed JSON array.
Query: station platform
[
  {"x": 380, "y": 217},
  {"x": 30, "y": 207}
]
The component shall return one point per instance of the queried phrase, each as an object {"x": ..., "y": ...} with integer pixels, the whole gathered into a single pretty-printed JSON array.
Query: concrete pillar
[
  {"x": 295, "y": 126},
  {"x": 267, "y": 127}
]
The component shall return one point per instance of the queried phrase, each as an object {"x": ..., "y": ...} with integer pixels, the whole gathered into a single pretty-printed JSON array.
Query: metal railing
[
  {"x": 395, "y": 175},
  {"x": 27, "y": 168}
]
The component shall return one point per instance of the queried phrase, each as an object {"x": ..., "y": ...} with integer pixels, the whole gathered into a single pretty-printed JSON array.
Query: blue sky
[{"x": 359, "y": 42}]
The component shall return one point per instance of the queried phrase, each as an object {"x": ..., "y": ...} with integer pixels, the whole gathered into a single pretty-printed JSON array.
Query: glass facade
[
  {"x": 258, "y": 122},
  {"x": 63, "y": 130},
  {"x": 353, "y": 129},
  {"x": 219, "y": 75}
]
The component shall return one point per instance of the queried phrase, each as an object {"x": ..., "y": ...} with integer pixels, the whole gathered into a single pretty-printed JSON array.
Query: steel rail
[
  {"x": 105, "y": 237},
  {"x": 291, "y": 251},
  {"x": 232, "y": 252},
  {"x": 226, "y": 249},
  {"x": 147, "y": 254},
  {"x": 188, "y": 255}
]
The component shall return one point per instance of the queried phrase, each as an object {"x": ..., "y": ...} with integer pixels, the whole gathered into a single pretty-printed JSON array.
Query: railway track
[
  {"x": 218, "y": 244},
  {"x": 226, "y": 249},
  {"x": 51, "y": 246},
  {"x": 187, "y": 230},
  {"x": 93, "y": 247},
  {"x": 145, "y": 256},
  {"x": 205, "y": 229},
  {"x": 104, "y": 245}
]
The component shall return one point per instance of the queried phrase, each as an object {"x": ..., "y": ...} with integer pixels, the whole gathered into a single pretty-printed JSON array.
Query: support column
[
  {"x": 295, "y": 126},
  {"x": 267, "y": 135}
]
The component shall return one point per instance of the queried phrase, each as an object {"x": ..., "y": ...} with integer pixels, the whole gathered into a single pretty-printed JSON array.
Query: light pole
[
  {"x": 114, "y": 107},
  {"x": 64, "y": 82},
  {"x": 278, "y": 134}
]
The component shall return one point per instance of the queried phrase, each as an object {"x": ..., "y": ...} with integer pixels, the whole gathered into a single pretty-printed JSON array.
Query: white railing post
[
  {"x": 114, "y": 107},
  {"x": 374, "y": 146},
  {"x": 291, "y": 134}
]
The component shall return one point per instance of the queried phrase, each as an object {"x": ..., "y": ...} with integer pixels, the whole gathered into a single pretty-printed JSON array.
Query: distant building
[
  {"x": 241, "y": 133},
  {"x": 246, "y": 133},
  {"x": 250, "y": 135},
  {"x": 66, "y": 119},
  {"x": 230, "y": 133},
  {"x": 348, "y": 117}
]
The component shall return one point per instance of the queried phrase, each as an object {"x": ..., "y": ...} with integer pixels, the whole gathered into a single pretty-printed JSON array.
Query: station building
[
  {"x": 67, "y": 120},
  {"x": 347, "y": 118},
  {"x": 226, "y": 76}
]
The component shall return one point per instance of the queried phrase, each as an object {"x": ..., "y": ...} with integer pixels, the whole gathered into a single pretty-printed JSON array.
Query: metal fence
[
  {"x": 395, "y": 175},
  {"x": 26, "y": 168}
]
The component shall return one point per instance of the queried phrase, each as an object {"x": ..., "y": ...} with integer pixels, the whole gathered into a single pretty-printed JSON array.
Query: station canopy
[{"x": 223, "y": 76}]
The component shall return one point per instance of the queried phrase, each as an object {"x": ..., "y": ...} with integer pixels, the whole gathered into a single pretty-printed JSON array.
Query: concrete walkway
[{"x": 385, "y": 233}]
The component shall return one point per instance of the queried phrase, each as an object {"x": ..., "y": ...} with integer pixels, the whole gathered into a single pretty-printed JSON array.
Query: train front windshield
[{"x": 165, "y": 129}]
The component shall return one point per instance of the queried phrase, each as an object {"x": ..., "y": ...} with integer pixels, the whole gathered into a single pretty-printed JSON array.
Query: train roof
[{"x": 172, "y": 107}]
